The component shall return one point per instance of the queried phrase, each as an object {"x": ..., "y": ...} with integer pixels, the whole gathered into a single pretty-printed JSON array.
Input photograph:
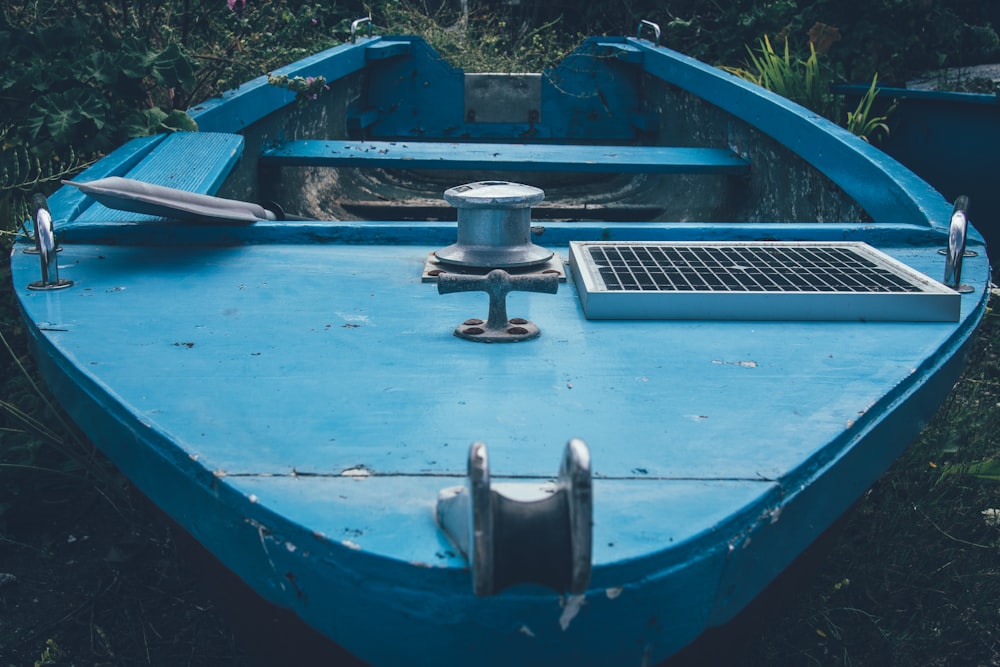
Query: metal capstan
[
  {"x": 494, "y": 230},
  {"x": 494, "y": 226}
]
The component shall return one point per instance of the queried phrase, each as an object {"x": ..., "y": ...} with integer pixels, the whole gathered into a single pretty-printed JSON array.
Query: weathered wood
[
  {"x": 508, "y": 157},
  {"x": 178, "y": 161}
]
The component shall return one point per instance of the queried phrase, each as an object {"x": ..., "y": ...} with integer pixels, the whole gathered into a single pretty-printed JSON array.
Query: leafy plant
[
  {"x": 861, "y": 121},
  {"x": 809, "y": 82},
  {"x": 306, "y": 88},
  {"x": 51, "y": 655},
  {"x": 802, "y": 81},
  {"x": 22, "y": 173}
]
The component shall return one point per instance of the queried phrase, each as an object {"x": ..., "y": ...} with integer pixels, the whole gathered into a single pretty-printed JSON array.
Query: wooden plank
[
  {"x": 179, "y": 161},
  {"x": 508, "y": 157},
  {"x": 69, "y": 202}
]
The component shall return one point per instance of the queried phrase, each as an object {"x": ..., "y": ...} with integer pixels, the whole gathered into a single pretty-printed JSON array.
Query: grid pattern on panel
[{"x": 742, "y": 268}]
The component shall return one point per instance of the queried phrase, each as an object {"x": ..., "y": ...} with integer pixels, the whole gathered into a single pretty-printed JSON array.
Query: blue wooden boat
[{"x": 727, "y": 318}]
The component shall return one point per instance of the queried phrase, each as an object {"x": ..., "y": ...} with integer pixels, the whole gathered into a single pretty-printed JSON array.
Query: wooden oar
[{"x": 126, "y": 194}]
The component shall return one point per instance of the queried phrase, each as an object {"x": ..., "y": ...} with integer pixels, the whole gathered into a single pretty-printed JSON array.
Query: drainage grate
[{"x": 754, "y": 281}]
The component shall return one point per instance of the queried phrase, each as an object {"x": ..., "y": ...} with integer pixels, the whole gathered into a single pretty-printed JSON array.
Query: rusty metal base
[{"x": 517, "y": 329}]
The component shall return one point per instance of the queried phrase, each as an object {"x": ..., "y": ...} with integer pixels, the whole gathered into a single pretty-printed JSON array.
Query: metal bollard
[{"x": 494, "y": 226}]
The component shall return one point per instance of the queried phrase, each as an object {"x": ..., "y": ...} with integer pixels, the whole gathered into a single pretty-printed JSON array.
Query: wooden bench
[
  {"x": 506, "y": 157},
  {"x": 183, "y": 160}
]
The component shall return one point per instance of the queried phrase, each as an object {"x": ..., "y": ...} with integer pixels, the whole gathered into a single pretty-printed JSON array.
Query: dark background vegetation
[{"x": 90, "y": 575}]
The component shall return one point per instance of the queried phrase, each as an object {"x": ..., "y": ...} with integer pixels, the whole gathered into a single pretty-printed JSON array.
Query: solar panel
[{"x": 766, "y": 280}]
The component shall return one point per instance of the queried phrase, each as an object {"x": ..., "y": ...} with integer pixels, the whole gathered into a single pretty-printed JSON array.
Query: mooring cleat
[{"x": 545, "y": 539}]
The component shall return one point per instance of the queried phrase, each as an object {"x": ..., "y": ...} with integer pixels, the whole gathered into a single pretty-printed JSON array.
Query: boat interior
[{"x": 385, "y": 141}]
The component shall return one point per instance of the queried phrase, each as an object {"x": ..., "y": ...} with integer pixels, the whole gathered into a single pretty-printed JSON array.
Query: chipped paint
[
  {"x": 613, "y": 593},
  {"x": 356, "y": 471},
  {"x": 351, "y": 545},
  {"x": 742, "y": 364},
  {"x": 261, "y": 530},
  {"x": 353, "y": 318},
  {"x": 571, "y": 607},
  {"x": 525, "y": 630},
  {"x": 252, "y": 498}
]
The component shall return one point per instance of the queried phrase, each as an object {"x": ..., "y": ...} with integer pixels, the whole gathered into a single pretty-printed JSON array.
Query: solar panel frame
[{"x": 761, "y": 280}]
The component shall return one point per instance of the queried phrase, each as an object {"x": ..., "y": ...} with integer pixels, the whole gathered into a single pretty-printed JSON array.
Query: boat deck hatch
[{"x": 766, "y": 280}]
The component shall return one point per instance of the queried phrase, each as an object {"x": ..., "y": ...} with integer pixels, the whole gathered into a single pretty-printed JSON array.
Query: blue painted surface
[
  {"x": 868, "y": 175},
  {"x": 951, "y": 140},
  {"x": 68, "y": 203},
  {"x": 241, "y": 107},
  {"x": 517, "y": 157},
  {"x": 176, "y": 161},
  {"x": 292, "y": 394}
]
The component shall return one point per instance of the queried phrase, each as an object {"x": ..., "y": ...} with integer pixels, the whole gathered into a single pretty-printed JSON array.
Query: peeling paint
[
  {"x": 352, "y": 318},
  {"x": 261, "y": 530},
  {"x": 742, "y": 364},
  {"x": 613, "y": 593},
  {"x": 571, "y": 607},
  {"x": 356, "y": 471},
  {"x": 219, "y": 474},
  {"x": 351, "y": 545}
]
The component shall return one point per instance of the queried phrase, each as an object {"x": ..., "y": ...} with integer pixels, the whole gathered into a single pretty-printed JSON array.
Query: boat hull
[{"x": 292, "y": 394}]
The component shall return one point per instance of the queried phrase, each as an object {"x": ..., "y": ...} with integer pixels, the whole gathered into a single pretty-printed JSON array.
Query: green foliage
[
  {"x": 480, "y": 41},
  {"x": 306, "y": 88},
  {"x": 805, "y": 82},
  {"x": 861, "y": 121},
  {"x": 988, "y": 469},
  {"x": 808, "y": 82},
  {"x": 897, "y": 38},
  {"x": 83, "y": 86},
  {"x": 51, "y": 655}
]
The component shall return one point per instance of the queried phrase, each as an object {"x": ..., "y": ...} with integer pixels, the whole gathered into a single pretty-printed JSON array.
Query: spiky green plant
[
  {"x": 809, "y": 83},
  {"x": 805, "y": 82},
  {"x": 861, "y": 121}
]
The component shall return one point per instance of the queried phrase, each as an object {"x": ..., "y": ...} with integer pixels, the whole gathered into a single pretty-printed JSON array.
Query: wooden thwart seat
[{"x": 507, "y": 157}]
